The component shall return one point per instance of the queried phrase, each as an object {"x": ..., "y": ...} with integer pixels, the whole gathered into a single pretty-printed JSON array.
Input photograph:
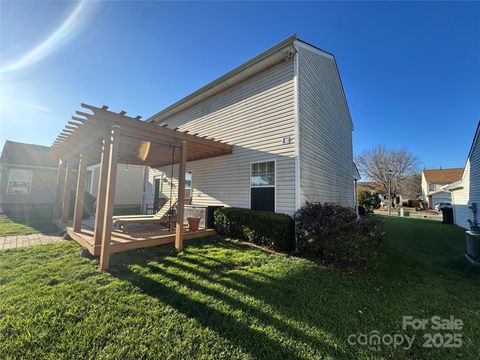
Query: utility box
[
  {"x": 472, "y": 245},
  {"x": 204, "y": 212}
]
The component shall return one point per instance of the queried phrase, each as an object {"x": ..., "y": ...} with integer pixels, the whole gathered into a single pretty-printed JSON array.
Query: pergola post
[
  {"x": 80, "y": 194},
  {"x": 102, "y": 190},
  {"x": 57, "y": 211},
  {"x": 181, "y": 197},
  {"x": 110, "y": 197},
  {"x": 67, "y": 190}
]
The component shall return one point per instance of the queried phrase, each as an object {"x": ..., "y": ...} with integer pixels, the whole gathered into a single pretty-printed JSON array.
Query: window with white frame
[
  {"x": 262, "y": 186},
  {"x": 262, "y": 174},
  {"x": 88, "y": 181},
  {"x": 19, "y": 181},
  {"x": 431, "y": 187},
  {"x": 188, "y": 185},
  {"x": 157, "y": 189}
]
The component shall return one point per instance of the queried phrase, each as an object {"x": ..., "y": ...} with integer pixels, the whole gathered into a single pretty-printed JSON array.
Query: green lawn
[
  {"x": 9, "y": 227},
  {"x": 221, "y": 300},
  {"x": 23, "y": 223}
]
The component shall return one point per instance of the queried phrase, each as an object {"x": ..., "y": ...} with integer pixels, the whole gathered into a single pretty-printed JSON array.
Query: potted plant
[{"x": 193, "y": 223}]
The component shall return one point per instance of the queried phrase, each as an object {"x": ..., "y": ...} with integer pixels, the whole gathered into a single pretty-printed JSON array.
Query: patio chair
[{"x": 127, "y": 223}]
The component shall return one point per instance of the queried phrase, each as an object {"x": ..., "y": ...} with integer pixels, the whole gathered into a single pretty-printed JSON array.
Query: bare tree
[
  {"x": 387, "y": 168},
  {"x": 412, "y": 186}
]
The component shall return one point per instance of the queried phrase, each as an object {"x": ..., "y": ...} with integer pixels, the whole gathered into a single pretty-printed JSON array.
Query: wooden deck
[{"x": 123, "y": 242}]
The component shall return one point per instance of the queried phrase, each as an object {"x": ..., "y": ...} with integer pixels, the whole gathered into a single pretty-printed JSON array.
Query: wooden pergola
[{"x": 105, "y": 137}]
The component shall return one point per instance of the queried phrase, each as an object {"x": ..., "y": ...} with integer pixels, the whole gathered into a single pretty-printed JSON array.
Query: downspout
[{"x": 297, "y": 145}]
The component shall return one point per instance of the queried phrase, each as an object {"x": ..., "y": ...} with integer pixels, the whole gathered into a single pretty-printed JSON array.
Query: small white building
[{"x": 466, "y": 192}]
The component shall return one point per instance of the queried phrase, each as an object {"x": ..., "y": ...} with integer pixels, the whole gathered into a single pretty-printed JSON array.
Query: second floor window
[{"x": 431, "y": 187}]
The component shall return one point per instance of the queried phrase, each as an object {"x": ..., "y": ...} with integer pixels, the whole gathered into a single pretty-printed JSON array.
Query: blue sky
[{"x": 411, "y": 71}]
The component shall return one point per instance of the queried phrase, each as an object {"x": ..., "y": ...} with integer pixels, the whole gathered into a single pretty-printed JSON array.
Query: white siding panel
[
  {"x": 255, "y": 116},
  {"x": 470, "y": 193},
  {"x": 460, "y": 200},
  {"x": 326, "y": 155}
]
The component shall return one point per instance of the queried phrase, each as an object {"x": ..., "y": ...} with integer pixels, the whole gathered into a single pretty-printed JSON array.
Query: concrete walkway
[{"x": 18, "y": 241}]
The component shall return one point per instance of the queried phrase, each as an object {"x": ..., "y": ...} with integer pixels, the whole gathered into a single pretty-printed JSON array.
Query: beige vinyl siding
[
  {"x": 325, "y": 127},
  {"x": 129, "y": 185},
  {"x": 255, "y": 116}
]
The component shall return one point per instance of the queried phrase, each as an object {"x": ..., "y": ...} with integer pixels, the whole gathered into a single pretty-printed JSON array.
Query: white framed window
[
  {"x": 262, "y": 186},
  {"x": 188, "y": 185},
  {"x": 431, "y": 187},
  {"x": 157, "y": 189},
  {"x": 262, "y": 174},
  {"x": 88, "y": 182},
  {"x": 19, "y": 181}
]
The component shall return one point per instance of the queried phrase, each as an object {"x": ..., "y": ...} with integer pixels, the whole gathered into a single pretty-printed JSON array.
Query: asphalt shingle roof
[
  {"x": 443, "y": 176},
  {"x": 27, "y": 154}
]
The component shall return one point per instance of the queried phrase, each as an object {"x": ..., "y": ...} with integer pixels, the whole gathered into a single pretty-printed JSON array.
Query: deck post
[
  {"x": 80, "y": 194},
  {"x": 110, "y": 197},
  {"x": 181, "y": 198},
  {"x": 67, "y": 192},
  {"x": 57, "y": 211},
  {"x": 102, "y": 188}
]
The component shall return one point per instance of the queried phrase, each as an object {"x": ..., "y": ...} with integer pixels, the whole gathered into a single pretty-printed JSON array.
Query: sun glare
[{"x": 62, "y": 35}]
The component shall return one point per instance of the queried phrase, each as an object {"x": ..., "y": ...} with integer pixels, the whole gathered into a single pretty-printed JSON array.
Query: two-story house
[
  {"x": 432, "y": 182},
  {"x": 286, "y": 115}
]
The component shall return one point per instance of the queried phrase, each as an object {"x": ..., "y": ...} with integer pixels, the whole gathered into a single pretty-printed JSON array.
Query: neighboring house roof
[
  {"x": 443, "y": 176},
  {"x": 16, "y": 153},
  {"x": 442, "y": 191},
  {"x": 368, "y": 185},
  {"x": 265, "y": 60},
  {"x": 454, "y": 186}
]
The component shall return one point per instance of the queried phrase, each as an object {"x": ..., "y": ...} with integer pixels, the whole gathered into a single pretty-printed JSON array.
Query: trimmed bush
[
  {"x": 369, "y": 200},
  {"x": 264, "y": 228},
  {"x": 333, "y": 235}
]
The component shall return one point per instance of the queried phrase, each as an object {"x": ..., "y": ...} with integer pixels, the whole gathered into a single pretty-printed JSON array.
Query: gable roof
[
  {"x": 259, "y": 63},
  {"x": 475, "y": 139},
  {"x": 16, "y": 153},
  {"x": 443, "y": 176}
]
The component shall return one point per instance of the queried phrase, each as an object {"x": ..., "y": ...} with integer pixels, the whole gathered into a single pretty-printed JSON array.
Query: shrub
[
  {"x": 259, "y": 227},
  {"x": 332, "y": 234},
  {"x": 369, "y": 200}
]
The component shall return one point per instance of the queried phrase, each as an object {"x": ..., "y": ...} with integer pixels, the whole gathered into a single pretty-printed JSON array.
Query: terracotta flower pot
[{"x": 193, "y": 223}]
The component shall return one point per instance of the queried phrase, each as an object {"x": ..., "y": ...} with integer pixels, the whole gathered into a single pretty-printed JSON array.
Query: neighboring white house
[
  {"x": 466, "y": 192},
  {"x": 286, "y": 114},
  {"x": 129, "y": 186},
  {"x": 433, "y": 182},
  {"x": 28, "y": 175}
]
